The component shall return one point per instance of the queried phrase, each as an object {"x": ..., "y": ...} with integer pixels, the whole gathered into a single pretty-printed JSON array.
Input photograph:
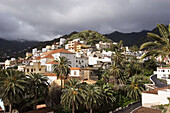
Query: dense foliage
[{"x": 90, "y": 37}]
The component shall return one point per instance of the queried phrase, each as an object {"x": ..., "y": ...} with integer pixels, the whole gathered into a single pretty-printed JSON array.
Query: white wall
[
  {"x": 72, "y": 73},
  {"x": 164, "y": 94},
  {"x": 150, "y": 99},
  {"x": 51, "y": 78}
]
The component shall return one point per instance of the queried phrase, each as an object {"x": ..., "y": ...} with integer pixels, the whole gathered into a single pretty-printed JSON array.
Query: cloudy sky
[{"x": 47, "y": 19}]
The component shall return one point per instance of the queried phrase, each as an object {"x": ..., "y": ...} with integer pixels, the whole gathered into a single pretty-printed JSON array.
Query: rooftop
[
  {"x": 50, "y": 74},
  {"x": 75, "y": 68},
  {"x": 57, "y": 51},
  {"x": 147, "y": 110},
  {"x": 155, "y": 91},
  {"x": 53, "y": 62}
]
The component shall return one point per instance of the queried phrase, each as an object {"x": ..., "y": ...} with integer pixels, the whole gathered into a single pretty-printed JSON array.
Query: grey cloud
[{"x": 46, "y": 19}]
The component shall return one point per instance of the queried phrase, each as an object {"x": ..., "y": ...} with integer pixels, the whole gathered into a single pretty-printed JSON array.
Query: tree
[
  {"x": 108, "y": 94},
  {"x": 106, "y": 76},
  {"x": 39, "y": 85},
  {"x": 62, "y": 68},
  {"x": 161, "y": 44},
  {"x": 134, "y": 87},
  {"x": 116, "y": 72},
  {"x": 93, "y": 97},
  {"x": 12, "y": 86},
  {"x": 73, "y": 95}
]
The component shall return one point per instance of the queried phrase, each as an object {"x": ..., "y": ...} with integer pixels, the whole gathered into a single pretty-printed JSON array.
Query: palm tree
[
  {"x": 118, "y": 57},
  {"x": 106, "y": 76},
  {"x": 39, "y": 85},
  {"x": 134, "y": 87},
  {"x": 12, "y": 86},
  {"x": 73, "y": 95},
  {"x": 62, "y": 68},
  {"x": 161, "y": 44},
  {"x": 116, "y": 72},
  {"x": 93, "y": 97},
  {"x": 108, "y": 94}
]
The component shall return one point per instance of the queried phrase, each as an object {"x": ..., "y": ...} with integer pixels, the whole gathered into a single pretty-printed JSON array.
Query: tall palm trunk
[
  {"x": 35, "y": 99},
  {"x": 91, "y": 110},
  {"x": 73, "y": 107},
  {"x": 61, "y": 82},
  {"x": 10, "y": 108}
]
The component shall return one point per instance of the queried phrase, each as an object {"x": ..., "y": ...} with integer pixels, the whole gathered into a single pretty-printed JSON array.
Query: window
[
  {"x": 76, "y": 65},
  {"x": 75, "y": 73},
  {"x": 27, "y": 70},
  {"x": 31, "y": 70},
  {"x": 39, "y": 69},
  {"x": 76, "y": 60},
  {"x": 82, "y": 61},
  {"x": 163, "y": 70}
]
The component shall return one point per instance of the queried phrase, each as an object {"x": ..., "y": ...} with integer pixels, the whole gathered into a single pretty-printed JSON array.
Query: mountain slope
[
  {"x": 130, "y": 39},
  {"x": 12, "y": 47}
]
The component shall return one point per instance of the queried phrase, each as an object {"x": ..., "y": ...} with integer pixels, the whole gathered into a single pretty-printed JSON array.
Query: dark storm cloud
[{"x": 46, "y": 19}]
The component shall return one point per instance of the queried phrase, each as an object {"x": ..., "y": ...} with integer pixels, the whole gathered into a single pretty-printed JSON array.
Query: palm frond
[{"x": 147, "y": 44}]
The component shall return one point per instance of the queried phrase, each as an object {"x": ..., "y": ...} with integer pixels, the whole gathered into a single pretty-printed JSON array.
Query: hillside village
[{"x": 86, "y": 61}]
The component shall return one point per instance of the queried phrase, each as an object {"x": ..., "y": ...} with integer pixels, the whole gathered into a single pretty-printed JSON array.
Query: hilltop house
[
  {"x": 155, "y": 96},
  {"x": 163, "y": 73}
]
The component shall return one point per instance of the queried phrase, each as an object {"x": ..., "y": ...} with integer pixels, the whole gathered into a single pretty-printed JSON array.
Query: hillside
[
  {"x": 130, "y": 39},
  {"x": 13, "y": 47},
  {"x": 90, "y": 37}
]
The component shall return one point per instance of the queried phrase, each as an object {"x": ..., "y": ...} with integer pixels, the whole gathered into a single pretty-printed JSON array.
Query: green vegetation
[
  {"x": 160, "y": 46},
  {"x": 62, "y": 68},
  {"x": 18, "y": 89},
  {"x": 90, "y": 37}
]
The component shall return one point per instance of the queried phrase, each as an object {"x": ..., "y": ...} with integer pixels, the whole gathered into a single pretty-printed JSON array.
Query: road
[
  {"x": 157, "y": 82},
  {"x": 130, "y": 108}
]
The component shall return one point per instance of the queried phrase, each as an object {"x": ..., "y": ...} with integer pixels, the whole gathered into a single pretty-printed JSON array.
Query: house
[
  {"x": 163, "y": 73},
  {"x": 55, "y": 54},
  {"x": 49, "y": 66},
  {"x": 75, "y": 72},
  {"x": 81, "y": 62},
  {"x": 51, "y": 76},
  {"x": 155, "y": 96},
  {"x": 35, "y": 67},
  {"x": 62, "y": 41},
  {"x": 34, "y": 51},
  {"x": 103, "y": 45}
]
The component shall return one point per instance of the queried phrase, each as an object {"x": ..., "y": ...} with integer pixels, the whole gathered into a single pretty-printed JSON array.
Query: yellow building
[
  {"x": 35, "y": 68},
  {"x": 80, "y": 47}
]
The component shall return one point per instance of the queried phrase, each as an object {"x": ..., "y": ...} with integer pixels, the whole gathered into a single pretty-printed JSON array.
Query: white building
[
  {"x": 44, "y": 50},
  {"x": 156, "y": 96},
  {"x": 103, "y": 45},
  {"x": 81, "y": 62},
  {"x": 94, "y": 60},
  {"x": 34, "y": 51},
  {"x": 75, "y": 72},
  {"x": 62, "y": 41},
  {"x": 163, "y": 73}
]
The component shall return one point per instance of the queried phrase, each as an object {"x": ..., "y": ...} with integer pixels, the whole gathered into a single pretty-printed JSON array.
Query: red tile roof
[
  {"x": 146, "y": 110},
  {"x": 75, "y": 68},
  {"x": 50, "y": 74},
  {"x": 163, "y": 67},
  {"x": 1, "y": 109},
  {"x": 37, "y": 58},
  {"x": 53, "y": 62},
  {"x": 155, "y": 91},
  {"x": 57, "y": 51},
  {"x": 48, "y": 56}
]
